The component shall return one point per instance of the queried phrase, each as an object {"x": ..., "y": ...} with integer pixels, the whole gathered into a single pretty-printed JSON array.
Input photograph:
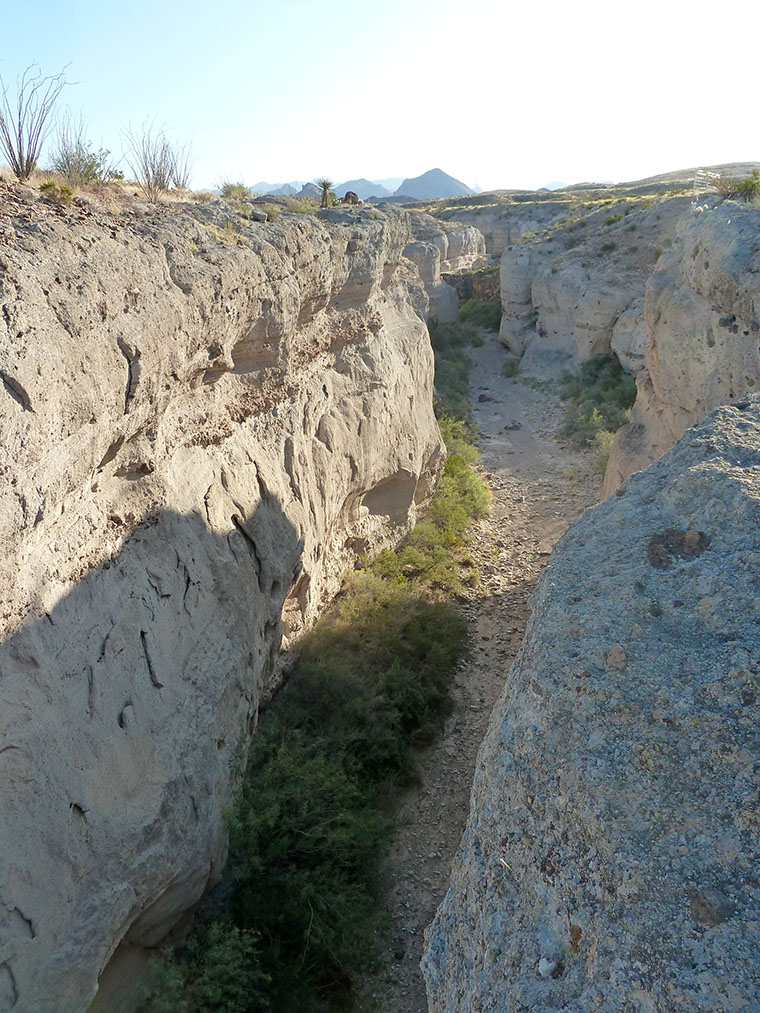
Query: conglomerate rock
[
  {"x": 610, "y": 860},
  {"x": 204, "y": 421}
]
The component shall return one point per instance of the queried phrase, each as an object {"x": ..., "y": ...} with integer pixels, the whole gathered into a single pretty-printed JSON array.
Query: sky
[{"x": 496, "y": 94}]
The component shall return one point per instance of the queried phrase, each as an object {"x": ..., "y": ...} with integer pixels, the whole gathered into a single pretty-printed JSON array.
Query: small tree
[
  {"x": 24, "y": 120},
  {"x": 326, "y": 185}
]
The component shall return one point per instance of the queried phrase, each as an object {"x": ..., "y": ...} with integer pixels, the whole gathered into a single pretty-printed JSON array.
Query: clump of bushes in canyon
[{"x": 600, "y": 396}]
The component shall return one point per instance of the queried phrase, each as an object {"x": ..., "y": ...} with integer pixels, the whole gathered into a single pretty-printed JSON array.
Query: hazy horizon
[{"x": 495, "y": 98}]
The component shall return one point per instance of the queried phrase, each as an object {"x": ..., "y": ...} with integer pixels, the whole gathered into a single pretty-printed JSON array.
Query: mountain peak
[{"x": 431, "y": 184}]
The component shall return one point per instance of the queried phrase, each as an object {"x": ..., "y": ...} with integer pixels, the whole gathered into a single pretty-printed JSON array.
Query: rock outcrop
[
  {"x": 576, "y": 290},
  {"x": 204, "y": 421},
  {"x": 508, "y": 220},
  {"x": 438, "y": 247},
  {"x": 672, "y": 291},
  {"x": 610, "y": 859},
  {"x": 698, "y": 330}
]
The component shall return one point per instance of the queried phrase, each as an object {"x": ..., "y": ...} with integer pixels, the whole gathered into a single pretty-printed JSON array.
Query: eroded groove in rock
[{"x": 16, "y": 391}]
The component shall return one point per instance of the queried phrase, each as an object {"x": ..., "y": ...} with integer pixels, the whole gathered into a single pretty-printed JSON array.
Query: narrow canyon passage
[{"x": 539, "y": 487}]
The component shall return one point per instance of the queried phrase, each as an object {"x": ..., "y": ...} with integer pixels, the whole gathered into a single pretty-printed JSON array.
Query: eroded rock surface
[
  {"x": 437, "y": 247},
  {"x": 204, "y": 420},
  {"x": 700, "y": 321},
  {"x": 610, "y": 858}
]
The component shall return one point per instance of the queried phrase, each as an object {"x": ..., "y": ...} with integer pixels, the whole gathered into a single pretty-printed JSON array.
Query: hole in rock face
[
  {"x": 392, "y": 497},
  {"x": 669, "y": 544}
]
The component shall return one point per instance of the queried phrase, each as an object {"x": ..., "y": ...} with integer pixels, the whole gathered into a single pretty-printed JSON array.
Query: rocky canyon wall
[
  {"x": 610, "y": 858},
  {"x": 700, "y": 324},
  {"x": 672, "y": 291},
  {"x": 204, "y": 420},
  {"x": 437, "y": 247}
]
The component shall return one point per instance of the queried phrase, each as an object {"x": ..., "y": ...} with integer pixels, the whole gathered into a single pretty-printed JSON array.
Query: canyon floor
[{"x": 539, "y": 487}]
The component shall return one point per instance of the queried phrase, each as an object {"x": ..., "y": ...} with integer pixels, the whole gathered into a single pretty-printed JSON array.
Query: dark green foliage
[
  {"x": 452, "y": 366},
  {"x": 221, "y": 974},
  {"x": 371, "y": 683},
  {"x": 749, "y": 188},
  {"x": 600, "y": 395},
  {"x": 482, "y": 313}
]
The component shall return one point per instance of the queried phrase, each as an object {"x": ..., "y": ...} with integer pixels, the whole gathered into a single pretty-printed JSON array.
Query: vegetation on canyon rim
[{"x": 300, "y": 915}]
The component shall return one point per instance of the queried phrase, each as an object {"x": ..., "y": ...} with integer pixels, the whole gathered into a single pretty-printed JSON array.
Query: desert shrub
[
  {"x": 611, "y": 219},
  {"x": 229, "y": 233},
  {"x": 272, "y": 211},
  {"x": 56, "y": 194},
  {"x": 725, "y": 185},
  {"x": 607, "y": 247},
  {"x": 482, "y": 313},
  {"x": 511, "y": 367},
  {"x": 156, "y": 162},
  {"x": 600, "y": 397},
  {"x": 302, "y": 205},
  {"x": 602, "y": 444},
  {"x": 221, "y": 973},
  {"x": 749, "y": 189},
  {"x": 24, "y": 118},
  {"x": 234, "y": 191},
  {"x": 452, "y": 366},
  {"x": 74, "y": 158}
]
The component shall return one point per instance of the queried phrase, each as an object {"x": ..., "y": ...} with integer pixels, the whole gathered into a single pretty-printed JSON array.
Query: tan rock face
[
  {"x": 202, "y": 424},
  {"x": 577, "y": 291},
  {"x": 443, "y": 246},
  {"x": 701, "y": 318},
  {"x": 610, "y": 857}
]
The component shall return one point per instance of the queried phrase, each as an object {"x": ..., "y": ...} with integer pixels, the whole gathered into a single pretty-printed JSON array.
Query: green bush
[
  {"x": 481, "y": 312},
  {"x": 221, "y": 974},
  {"x": 611, "y": 219},
  {"x": 452, "y": 366},
  {"x": 748, "y": 189},
  {"x": 511, "y": 368},
  {"x": 600, "y": 395},
  {"x": 56, "y": 194}
]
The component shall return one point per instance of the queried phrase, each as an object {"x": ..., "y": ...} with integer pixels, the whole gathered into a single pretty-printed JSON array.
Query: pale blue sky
[{"x": 496, "y": 94}]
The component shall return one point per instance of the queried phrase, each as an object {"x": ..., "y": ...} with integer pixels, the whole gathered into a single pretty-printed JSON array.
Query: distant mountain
[
  {"x": 309, "y": 190},
  {"x": 555, "y": 184},
  {"x": 363, "y": 188},
  {"x": 431, "y": 184},
  {"x": 391, "y": 184},
  {"x": 284, "y": 189}
]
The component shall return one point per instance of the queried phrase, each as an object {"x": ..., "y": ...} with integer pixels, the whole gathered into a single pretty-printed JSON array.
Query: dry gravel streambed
[{"x": 539, "y": 487}]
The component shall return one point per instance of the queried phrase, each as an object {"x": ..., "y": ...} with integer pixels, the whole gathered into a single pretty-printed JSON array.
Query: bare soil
[{"x": 539, "y": 487}]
